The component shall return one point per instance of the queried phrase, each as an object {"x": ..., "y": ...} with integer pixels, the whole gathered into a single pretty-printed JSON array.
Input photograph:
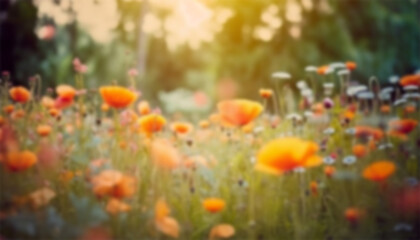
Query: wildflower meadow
[{"x": 326, "y": 151}]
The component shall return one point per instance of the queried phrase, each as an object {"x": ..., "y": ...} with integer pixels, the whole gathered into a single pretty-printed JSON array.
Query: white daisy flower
[{"x": 349, "y": 160}]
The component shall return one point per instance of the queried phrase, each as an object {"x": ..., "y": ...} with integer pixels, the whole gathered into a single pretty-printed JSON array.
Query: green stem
[
  {"x": 374, "y": 80},
  {"x": 279, "y": 98}
]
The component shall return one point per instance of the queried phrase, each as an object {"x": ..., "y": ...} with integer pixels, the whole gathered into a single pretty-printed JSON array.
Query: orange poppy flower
[
  {"x": 164, "y": 154},
  {"x": 104, "y": 107},
  {"x": 161, "y": 209},
  {"x": 403, "y": 126},
  {"x": 20, "y": 161},
  {"x": 360, "y": 150},
  {"x": 123, "y": 144},
  {"x": 65, "y": 97},
  {"x": 318, "y": 109},
  {"x": 163, "y": 221},
  {"x": 239, "y": 112},
  {"x": 61, "y": 103},
  {"x": 410, "y": 109},
  {"x": 43, "y": 130},
  {"x": 124, "y": 188},
  {"x": 266, "y": 93},
  {"x": 413, "y": 79},
  {"x": 151, "y": 123},
  {"x": 285, "y": 154},
  {"x": 366, "y": 131},
  {"x": 407, "y": 200},
  {"x": 143, "y": 107},
  {"x": 19, "y": 113},
  {"x": 113, "y": 183},
  {"x": 54, "y": 112},
  {"x": 348, "y": 115},
  {"x": 8, "y": 109},
  {"x": 204, "y": 124},
  {"x": 385, "y": 109},
  {"x": 351, "y": 65},
  {"x": 323, "y": 69},
  {"x": 222, "y": 231},
  {"x": 20, "y": 94},
  {"x": 329, "y": 171},
  {"x": 66, "y": 176},
  {"x": 65, "y": 91},
  {"x": 115, "y": 206},
  {"x": 214, "y": 205},
  {"x": 181, "y": 128},
  {"x": 47, "y": 102},
  {"x": 117, "y": 97},
  {"x": 2, "y": 121},
  {"x": 379, "y": 171},
  {"x": 214, "y": 118},
  {"x": 399, "y": 135}
]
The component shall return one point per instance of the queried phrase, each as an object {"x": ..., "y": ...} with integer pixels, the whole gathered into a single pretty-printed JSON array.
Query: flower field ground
[{"x": 331, "y": 159}]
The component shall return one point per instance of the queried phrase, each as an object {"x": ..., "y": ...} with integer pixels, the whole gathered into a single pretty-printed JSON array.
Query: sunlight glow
[
  {"x": 193, "y": 12},
  {"x": 99, "y": 25},
  {"x": 293, "y": 12},
  {"x": 271, "y": 22}
]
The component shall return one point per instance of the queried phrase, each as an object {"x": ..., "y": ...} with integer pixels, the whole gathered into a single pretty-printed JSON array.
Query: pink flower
[
  {"x": 46, "y": 32},
  {"x": 81, "y": 92},
  {"x": 49, "y": 155},
  {"x": 82, "y": 68},
  {"x": 32, "y": 79},
  {"x": 79, "y": 66},
  {"x": 227, "y": 88},
  {"x": 127, "y": 117},
  {"x": 132, "y": 72},
  {"x": 157, "y": 111},
  {"x": 76, "y": 62},
  {"x": 62, "y": 103},
  {"x": 136, "y": 92},
  {"x": 200, "y": 98}
]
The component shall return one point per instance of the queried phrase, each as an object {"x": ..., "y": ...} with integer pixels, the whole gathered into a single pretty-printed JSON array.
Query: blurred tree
[
  {"x": 18, "y": 43},
  {"x": 263, "y": 36}
]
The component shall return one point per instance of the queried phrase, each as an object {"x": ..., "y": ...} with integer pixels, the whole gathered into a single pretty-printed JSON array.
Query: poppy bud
[
  {"x": 353, "y": 215},
  {"x": 314, "y": 188},
  {"x": 329, "y": 171}
]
